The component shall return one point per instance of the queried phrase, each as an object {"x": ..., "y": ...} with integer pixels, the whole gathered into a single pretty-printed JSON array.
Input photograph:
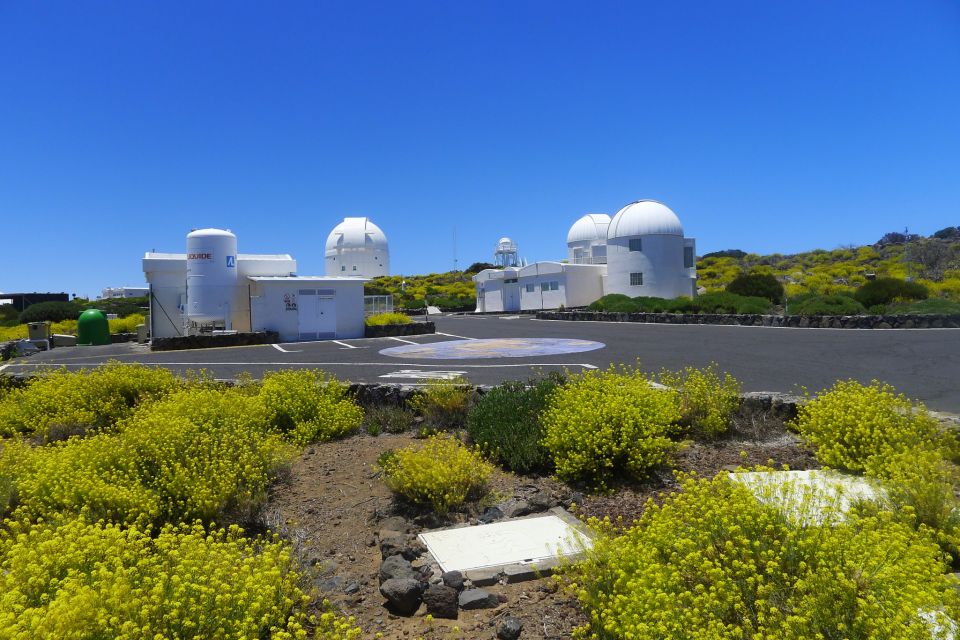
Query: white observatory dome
[
  {"x": 357, "y": 247},
  {"x": 589, "y": 228},
  {"x": 643, "y": 218}
]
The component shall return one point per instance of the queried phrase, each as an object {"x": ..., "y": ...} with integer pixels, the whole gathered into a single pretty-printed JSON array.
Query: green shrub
[
  {"x": 663, "y": 305},
  {"x": 505, "y": 422},
  {"x": 887, "y": 290},
  {"x": 832, "y": 305},
  {"x": 53, "y": 311},
  {"x": 606, "y": 422},
  {"x": 62, "y": 403},
  {"x": 100, "y": 580},
  {"x": 309, "y": 406},
  {"x": 708, "y": 398},
  {"x": 381, "y": 319},
  {"x": 851, "y": 423},
  {"x": 443, "y": 403},
  {"x": 389, "y": 419},
  {"x": 713, "y": 562},
  {"x": 725, "y": 302},
  {"x": 441, "y": 473},
  {"x": 200, "y": 453},
  {"x": 615, "y": 303},
  {"x": 929, "y": 306},
  {"x": 761, "y": 285}
]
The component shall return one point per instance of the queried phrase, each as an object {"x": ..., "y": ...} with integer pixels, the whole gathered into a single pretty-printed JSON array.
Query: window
[
  {"x": 354, "y": 267},
  {"x": 636, "y": 279},
  {"x": 343, "y": 267},
  {"x": 544, "y": 286},
  {"x": 509, "y": 280},
  {"x": 636, "y": 244},
  {"x": 554, "y": 286},
  {"x": 687, "y": 257},
  {"x": 531, "y": 288}
]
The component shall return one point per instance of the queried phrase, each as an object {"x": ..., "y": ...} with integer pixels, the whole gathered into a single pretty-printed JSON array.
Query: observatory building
[
  {"x": 212, "y": 287},
  {"x": 357, "y": 247},
  {"x": 641, "y": 251}
]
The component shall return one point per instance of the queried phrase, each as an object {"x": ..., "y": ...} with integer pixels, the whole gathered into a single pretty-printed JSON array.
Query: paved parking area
[{"x": 924, "y": 364}]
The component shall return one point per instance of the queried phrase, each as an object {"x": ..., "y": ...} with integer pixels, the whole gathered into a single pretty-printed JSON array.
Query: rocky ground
[{"x": 352, "y": 536}]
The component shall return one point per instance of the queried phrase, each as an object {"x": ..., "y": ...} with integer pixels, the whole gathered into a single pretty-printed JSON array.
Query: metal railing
[
  {"x": 373, "y": 305},
  {"x": 590, "y": 260}
]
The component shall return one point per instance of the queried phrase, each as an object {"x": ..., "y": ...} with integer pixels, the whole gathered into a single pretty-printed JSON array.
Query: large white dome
[
  {"x": 357, "y": 247},
  {"x": 589, "y": 228},
  {"x": 643, "y": 218},
  {"x": 356, "y": 233}
]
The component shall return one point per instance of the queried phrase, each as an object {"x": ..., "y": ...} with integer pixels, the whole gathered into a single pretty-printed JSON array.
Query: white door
[
  {"x": 511, "y": 297},
  {"x": 316, "y": 314}
]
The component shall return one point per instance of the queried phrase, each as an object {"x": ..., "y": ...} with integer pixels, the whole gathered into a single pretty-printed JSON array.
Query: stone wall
[
  {"x": 388, "y": 330},
  {"x": 756, "y": 320},
  {"x": 206, "y": 341}
]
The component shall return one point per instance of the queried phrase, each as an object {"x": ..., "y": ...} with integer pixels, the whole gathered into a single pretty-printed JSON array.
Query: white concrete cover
[
  {"x": 526, "y": 542},
  {"x": 808, "y": 495}
]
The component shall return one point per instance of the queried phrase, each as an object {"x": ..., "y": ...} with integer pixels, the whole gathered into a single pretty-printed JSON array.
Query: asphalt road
[{"x": 924, "y": 364}]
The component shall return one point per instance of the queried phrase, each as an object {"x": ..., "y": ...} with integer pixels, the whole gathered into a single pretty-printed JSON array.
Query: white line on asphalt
[
  {"x": 402, "y": 340},
  {"x": 316, "y": 364},
  {"x": 3, "y": 366},
  {"x": 452, "y": 335},
  {"x": 282, "y": 350},
  {"x": 348, "y": 346}
]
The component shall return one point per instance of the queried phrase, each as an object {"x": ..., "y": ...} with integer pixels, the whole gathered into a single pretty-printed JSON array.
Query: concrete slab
[
  {"x": 535, "y": 541},
  {"x": 809, "y": 496}
]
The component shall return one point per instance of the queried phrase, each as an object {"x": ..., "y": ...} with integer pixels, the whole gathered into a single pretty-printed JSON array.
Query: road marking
[
  {"x": 3, "y": 366},
  {"x": 282, "y": 350},
  {"x": 402, "y": 340},
  {"x": 509, "y": 317},
  {"x": 425, "y": 375},
  {"x": 348, "y": 346},
  {"x": 452, "y": 335}
]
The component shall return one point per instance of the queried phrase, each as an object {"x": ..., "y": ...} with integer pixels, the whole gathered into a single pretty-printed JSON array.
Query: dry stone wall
[{"x": 757, "y": 320}]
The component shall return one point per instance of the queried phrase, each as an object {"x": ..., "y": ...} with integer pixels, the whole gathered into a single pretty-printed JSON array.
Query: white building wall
[
  {"x": 276, "y": 305},
  {"x": 495, "y": 292},
  {"x": 167, "y": 275},
  {"x": 584, "y": 284},
  {"x": 660, "y": 260}
]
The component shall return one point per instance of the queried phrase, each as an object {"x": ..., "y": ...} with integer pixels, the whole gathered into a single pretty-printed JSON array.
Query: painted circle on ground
[{"x": 493, "y": 348}]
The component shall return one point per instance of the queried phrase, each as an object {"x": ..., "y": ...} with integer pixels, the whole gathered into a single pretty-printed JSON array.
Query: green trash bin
[{"x": 93, "y": 328}]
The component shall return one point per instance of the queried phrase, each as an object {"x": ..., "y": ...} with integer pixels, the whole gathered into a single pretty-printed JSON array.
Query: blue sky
[{"x": 767, "y": 126}]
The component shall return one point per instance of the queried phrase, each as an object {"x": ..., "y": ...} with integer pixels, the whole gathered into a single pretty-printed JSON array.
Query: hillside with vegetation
[{"x": 823, "y": 280}]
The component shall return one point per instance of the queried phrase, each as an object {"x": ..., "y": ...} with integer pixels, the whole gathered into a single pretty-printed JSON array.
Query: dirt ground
[{"x": 334, "y": 502}]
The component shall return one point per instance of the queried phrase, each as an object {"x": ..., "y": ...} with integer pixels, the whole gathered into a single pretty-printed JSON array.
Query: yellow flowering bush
[
  {"x": 63, "y": 403},
  {"x": 441, "y": 473},
  {"x": 604, "y": 422},
  {"x": 851, "y": 423},
  {"x": 443, "y": 403},
  {"x": 83, "y": 580},
  {"x": 198, "y": 454},
  {"x": 714, "y": 562},
  {"x": 309, "y": 406},
  {"x": 127, "y": 324},
  {"x": 380, "y": 319},
  {"x": 708, "y": 398}
]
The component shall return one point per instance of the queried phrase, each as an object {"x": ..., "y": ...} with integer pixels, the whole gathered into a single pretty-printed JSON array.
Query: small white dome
[
  {"x": 644, "y": 218},
  {"x": 590, "y": 227},
  {"x": 504, "y": 240},
  {"x": 355, "y": 233}
]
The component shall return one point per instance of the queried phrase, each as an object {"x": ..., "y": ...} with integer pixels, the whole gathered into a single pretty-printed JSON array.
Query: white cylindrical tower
[
  {"x": 645, "y": 252},
  {"x": 357, "y": 247},
  {"x": 211, "y": 275},
  {"x": 587, "y": 239}
]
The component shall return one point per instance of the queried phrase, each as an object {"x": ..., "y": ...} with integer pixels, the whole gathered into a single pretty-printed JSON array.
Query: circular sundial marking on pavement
[{"x": 493, "y": 348}]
